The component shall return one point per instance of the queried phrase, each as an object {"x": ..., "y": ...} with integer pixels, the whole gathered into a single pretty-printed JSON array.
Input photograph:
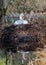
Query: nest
[{"x": 20, "y": 37}]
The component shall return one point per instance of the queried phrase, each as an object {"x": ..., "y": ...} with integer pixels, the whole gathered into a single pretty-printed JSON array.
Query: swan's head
[{"x": 22, "y": 16}]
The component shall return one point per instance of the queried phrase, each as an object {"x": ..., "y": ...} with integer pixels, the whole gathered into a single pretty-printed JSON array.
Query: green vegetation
[{"x": 2, "y": 62}]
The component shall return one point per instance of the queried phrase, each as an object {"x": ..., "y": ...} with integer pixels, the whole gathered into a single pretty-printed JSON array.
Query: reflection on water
[
  {"x": 27, "y": 58},
  {"x": 31, "y": 58}
]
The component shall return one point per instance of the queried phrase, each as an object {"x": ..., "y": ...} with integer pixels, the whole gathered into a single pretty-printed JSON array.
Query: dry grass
[{"x": 40, "y": 59}]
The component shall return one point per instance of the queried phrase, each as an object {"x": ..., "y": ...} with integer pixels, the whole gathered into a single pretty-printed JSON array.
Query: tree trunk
[{"x": 1, "y": 6}]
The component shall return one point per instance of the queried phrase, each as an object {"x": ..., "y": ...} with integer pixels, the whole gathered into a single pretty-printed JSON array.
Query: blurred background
[{"x": 35, "y": 13}]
